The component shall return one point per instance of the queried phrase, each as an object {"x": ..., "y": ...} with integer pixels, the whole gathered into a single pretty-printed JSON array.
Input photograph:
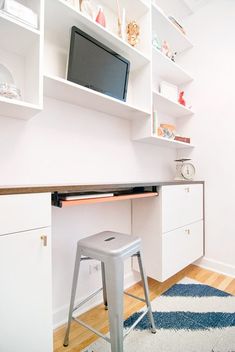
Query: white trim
[
  {"x": 219, "y": 267},
  {"x": 60, "y": 315}
]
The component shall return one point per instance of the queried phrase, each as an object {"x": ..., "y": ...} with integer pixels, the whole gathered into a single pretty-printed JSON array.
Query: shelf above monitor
[{"x": 62, "y": 89}]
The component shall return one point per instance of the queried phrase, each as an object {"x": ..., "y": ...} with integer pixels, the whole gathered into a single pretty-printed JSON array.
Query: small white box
[
  {"x": 20, "y": 12},
  {"x": 169, "y": 91}
]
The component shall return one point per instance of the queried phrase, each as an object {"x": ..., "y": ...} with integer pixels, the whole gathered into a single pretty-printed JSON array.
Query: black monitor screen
[{"x": 95, "y": 66}]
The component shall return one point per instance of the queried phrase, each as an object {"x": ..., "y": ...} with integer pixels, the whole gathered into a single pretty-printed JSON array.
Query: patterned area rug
[{"x": 190, "y": 317}]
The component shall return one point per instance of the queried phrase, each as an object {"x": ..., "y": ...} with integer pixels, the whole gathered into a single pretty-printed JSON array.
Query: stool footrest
[
  {"x": 88, "y": 299},
  {"x": 135, "y": 323},
  {"x": 91, "y": 329},
  {"x": 133, "y": 296}
]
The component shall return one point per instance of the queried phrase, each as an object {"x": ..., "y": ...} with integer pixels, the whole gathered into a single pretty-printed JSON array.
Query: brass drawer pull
[{"x": 44, "y": 240}]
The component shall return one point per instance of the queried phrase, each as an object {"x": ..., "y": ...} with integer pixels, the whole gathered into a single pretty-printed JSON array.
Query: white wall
[
  {"x": 67, "y": 144},
  {"x": 211, "y": 62}
]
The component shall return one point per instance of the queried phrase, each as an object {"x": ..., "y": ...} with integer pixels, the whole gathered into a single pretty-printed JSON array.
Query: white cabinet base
[
  {"x": 25, "y": 294},
  {"x": 171, "y": 229},
  {"x": 25, "y": 273}
]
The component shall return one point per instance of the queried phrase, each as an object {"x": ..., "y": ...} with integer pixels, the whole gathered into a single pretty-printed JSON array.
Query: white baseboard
[
  {"x": 60, "y": 315},
  {"x": 214, "y": 265}
]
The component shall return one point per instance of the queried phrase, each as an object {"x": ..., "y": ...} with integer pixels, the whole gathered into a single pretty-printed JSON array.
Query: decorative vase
[
  {"x": 100, "y": 18},
  {"x": 86, "y": 8},
  {"x": 133, "y": 33},
  {"x": 181, "y": 99}
]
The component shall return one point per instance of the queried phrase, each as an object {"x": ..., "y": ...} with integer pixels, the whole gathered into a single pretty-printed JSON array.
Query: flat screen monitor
[{"x": 95, "y": 66}]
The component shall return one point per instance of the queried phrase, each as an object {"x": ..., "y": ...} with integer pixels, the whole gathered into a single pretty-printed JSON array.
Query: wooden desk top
[{"x": 85, "y": 188}]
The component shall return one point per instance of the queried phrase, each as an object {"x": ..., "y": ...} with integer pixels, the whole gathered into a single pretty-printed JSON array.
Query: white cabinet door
[
  {"x": 23, "y": 212},
  {"x": 25, "y": 292},
  {"x": 180, "y": 248},
  {"x": 181, "y": 205}
]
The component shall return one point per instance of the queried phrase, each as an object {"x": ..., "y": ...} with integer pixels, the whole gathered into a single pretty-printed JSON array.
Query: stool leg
[
  {"x": 114, "y": 272},
  {"x": 146, "y": 292},
  {"x": 73, "y": 294},
  {"x": 104, "y": 286}
]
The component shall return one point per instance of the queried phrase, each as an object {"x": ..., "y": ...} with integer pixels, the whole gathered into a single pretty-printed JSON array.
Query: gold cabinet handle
[
  {"x": 187, "y": 231},
  {"x": 44, "y": 240}
]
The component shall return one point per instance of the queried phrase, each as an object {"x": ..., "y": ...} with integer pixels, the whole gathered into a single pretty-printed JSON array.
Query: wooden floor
[{"x": 98, "y": 318}]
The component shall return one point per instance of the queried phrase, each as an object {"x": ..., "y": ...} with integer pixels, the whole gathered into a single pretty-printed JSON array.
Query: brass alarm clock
[{"x": 184, "y": 170}]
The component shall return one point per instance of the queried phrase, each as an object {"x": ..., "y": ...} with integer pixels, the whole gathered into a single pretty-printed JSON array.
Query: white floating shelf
[
  {"x": 166, "y": 30},
  {"x": 169, "y": 70},
  {"x": 163, "y": 142},
  {"x": 16, "y": 36},
  {"x": 66, "y": 16},
  {"x": 59, "y": 88},
  {"x": 18, "y": 109},
  {"x": 170, "y": 107}
]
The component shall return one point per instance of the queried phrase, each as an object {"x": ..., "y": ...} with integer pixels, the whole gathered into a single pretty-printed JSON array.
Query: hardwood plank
[{"x": 231, "y": 287}]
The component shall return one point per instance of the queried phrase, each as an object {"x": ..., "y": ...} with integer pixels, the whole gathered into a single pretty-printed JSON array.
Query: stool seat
[{"x": 110, "y": 243}]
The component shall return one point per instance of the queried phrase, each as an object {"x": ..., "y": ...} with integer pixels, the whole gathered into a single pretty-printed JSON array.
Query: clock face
[{"x": 188, "y": 171}]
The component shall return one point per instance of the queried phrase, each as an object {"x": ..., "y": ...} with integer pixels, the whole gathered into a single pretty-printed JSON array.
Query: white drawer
[
  {"x": 181, "y": 205},
  {"x": 181, "y": 247},
  {"x": 20, "y": 212}
]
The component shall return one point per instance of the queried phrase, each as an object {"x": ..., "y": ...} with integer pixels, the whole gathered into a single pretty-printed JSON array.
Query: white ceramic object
[
  {"x": 169, "y": 91},
  {"x": 8, "y": 88}
]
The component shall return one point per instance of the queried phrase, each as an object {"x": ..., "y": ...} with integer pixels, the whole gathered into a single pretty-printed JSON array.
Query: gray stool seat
[
  {"x": 109, "y": 243},
  {"x": 111, "y": 248}
]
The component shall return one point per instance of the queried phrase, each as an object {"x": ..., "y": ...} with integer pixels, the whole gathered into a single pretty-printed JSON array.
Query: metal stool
[{"x": 111, "y": 249}]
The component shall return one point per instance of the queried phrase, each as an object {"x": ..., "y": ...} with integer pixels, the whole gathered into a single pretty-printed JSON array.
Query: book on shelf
[
  {"x": 177, "y": 24},
  {"x": 182, "y": 139}
]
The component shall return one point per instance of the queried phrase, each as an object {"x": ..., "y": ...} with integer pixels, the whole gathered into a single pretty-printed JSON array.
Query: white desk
[{"x": 169, "y": 218}]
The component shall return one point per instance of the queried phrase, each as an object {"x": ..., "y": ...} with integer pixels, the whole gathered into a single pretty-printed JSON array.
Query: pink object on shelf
[
  {"x": 181, "y": 99},
  {"x": 100, "y": 18}
]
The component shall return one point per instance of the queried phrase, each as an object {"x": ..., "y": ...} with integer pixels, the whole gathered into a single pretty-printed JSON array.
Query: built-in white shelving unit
[
  {"x": 39, "y": 72},
  {"x": 21, "y": 53},
  {"x": 57, "y": 41},
  {"x": 169, "y": 107},
  {"x": 165, "y": 69}
]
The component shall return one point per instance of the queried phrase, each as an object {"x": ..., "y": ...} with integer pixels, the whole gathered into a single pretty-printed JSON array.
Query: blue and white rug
[{"x": 190, "y": 317}]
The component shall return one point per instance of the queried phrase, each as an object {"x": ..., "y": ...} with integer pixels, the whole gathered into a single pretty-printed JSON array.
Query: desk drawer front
[
  {"x": 22, "y": 212},
  {"x": 181, "y": 247},
  {"x": 181, "y": 205}
]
